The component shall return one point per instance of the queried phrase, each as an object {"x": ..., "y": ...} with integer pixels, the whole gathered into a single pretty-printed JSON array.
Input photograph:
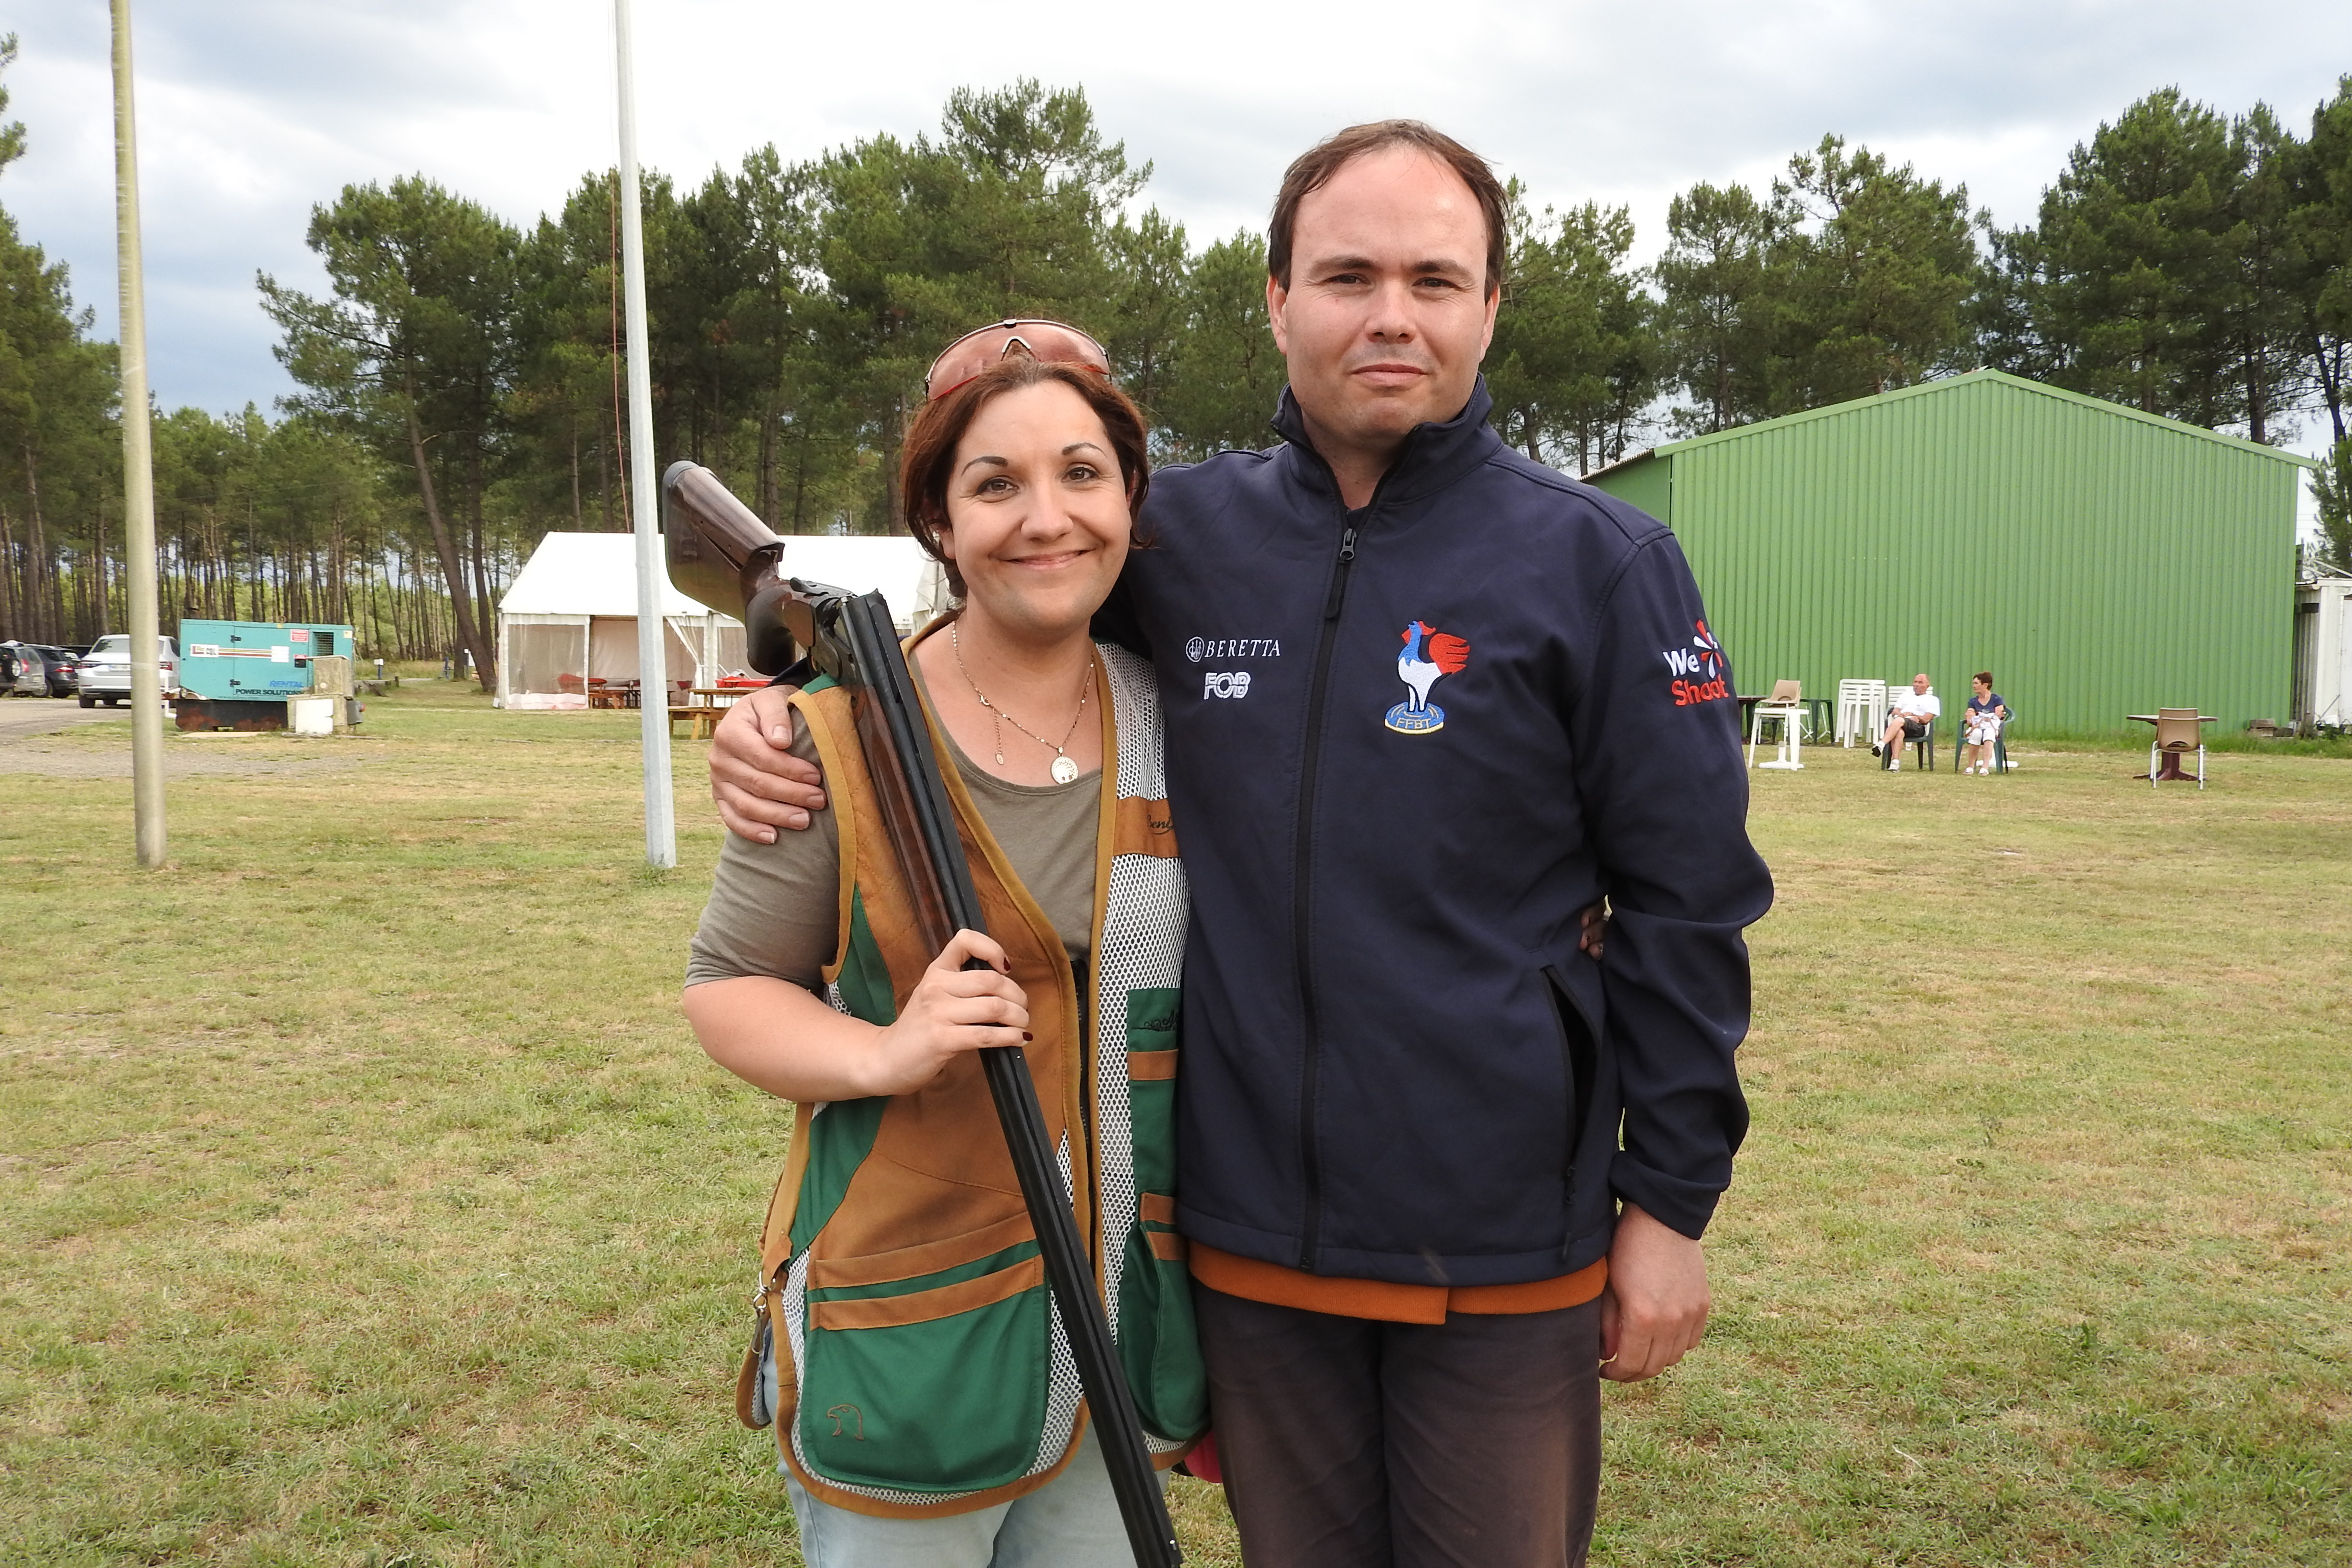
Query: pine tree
[
  {"x": 1874, "y": 266},
  {"x": 2130, "y": 258},
  {"x": 2320, "y": 175},
  {"x": 414, "y": 353},
  {"x": 1573, "y": 365},
  {"x": 1716, "y": 315}
]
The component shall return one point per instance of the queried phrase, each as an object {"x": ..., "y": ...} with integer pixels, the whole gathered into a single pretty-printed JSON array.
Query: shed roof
[
  {"x": 1948, "y": 384},
  {"x": 596, "y": 573}
]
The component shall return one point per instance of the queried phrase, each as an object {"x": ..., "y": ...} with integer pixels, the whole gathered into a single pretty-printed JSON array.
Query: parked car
[
  {"x": 23, "y": 671},
  {"x": 105, "y": 674},
  {"x": 63, "y": 670}
]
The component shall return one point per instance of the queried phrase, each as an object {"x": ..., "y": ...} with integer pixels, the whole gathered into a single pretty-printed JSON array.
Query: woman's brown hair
[{"x": 928, "y": 461}]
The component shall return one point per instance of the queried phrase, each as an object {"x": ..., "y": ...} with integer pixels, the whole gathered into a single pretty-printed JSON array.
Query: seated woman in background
[
  {"x": 1987, "y": 711},
  {"x": 924, "y": 1398}
]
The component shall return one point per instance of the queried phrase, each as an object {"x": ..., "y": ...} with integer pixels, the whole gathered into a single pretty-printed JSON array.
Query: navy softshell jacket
[{"x": 1407, "y": 744}]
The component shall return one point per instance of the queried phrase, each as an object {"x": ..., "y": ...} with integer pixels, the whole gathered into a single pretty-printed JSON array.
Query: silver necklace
[{"x": 1064, "y": 770}]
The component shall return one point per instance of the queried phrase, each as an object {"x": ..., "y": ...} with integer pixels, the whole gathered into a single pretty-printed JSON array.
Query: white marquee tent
[{"x": 572, "y": 612}]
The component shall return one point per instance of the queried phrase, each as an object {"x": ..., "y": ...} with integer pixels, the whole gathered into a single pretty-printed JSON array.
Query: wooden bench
[{"x": 705, "y": 720}]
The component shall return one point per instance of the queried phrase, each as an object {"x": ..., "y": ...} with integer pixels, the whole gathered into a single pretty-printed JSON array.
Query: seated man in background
[{"x": 1907, "y": 717}]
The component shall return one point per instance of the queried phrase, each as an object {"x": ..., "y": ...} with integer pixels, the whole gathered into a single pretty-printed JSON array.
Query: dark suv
[
  {"x": 63, "y": 670},
  {"x": 23, "y": 671}
]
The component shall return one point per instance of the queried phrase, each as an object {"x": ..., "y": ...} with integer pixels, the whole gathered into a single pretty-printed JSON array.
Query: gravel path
[
  {"x": 30, "y": 744},
  {"x": 46, "y": 715}
]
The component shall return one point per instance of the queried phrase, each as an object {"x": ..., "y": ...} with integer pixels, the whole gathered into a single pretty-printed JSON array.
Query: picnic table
[
  {"x": 711, "y": 702},
  {"x": 2170, "y": 766}
]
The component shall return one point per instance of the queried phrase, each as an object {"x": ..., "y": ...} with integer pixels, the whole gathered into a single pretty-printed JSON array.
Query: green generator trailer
[{"x": 262, "y": 675}]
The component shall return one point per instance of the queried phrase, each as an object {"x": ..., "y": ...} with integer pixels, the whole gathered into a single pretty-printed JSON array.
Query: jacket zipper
[{"x": 1302, "y": 900}]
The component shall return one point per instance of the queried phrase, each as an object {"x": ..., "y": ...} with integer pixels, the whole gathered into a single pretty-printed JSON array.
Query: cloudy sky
[{"x": 254, "y": 110}]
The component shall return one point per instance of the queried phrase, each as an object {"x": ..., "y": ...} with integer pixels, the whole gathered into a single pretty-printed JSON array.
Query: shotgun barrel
[{"x": 721, "y": 553}]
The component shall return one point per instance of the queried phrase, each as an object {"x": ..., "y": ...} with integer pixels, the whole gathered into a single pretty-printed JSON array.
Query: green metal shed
[{"x": 2099, "y": 561}]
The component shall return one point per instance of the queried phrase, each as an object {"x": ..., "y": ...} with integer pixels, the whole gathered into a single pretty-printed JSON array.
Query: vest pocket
[
  {"x": 933, "y": 1383},
  {"x": 1158, "y": 1346},
  {"x": 1151, "y": 1058}
]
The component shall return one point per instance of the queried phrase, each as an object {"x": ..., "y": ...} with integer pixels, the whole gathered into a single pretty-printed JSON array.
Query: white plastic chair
[
  {"x": 1861, "y": 711},
  {"x": 1785, "y": 708}
]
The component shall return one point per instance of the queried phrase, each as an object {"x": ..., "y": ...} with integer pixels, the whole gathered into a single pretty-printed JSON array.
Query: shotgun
[{"x": 721, "y": 553}]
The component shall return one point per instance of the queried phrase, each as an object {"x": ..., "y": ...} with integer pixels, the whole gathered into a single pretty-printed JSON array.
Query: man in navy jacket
[{"x": 1426, "y": 700}]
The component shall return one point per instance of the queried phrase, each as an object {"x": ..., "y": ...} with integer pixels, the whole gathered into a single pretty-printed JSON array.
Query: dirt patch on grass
[{"x": 262, "y": 755}]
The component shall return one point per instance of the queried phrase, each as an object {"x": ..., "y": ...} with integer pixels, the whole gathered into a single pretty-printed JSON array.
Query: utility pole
[
  {"x": 653, "y": 639},
  {"x": 138, "y": 474}
]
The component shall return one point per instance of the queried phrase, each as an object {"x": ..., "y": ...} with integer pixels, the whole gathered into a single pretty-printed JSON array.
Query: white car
[{"x": 105, "y": 670}]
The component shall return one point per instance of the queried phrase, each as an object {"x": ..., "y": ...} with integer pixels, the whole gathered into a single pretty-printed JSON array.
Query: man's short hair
[{"x": 1313, "y": 169}]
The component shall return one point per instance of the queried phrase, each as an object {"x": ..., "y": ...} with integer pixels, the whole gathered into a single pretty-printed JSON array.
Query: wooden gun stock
[{"x": 721, "y": 553}]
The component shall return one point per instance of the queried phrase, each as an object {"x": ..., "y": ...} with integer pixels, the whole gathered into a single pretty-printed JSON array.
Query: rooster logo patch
[{"x": 1428, "y": 657}]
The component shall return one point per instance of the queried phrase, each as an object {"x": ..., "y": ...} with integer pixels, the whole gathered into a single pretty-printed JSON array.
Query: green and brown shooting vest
[{"x": 909, "y": 1353}]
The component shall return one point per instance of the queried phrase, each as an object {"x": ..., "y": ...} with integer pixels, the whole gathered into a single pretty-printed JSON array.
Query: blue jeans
[{"x": 1071, "y": 1521}]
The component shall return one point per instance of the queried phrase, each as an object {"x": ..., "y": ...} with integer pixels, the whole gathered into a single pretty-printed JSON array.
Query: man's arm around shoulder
[
  {"x": 760, "y": 786},
  {"x": 758, "y": 782}
]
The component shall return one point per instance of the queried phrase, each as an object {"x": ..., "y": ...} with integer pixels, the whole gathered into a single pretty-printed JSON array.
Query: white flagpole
[
  {"x": 138, "y": 475},
  {"x": 652, "y": 632}
]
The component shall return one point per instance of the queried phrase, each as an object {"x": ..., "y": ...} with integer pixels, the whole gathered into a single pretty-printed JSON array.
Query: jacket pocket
[
  {"x": 1580, "y": 1064},
  {"x": 934, "y": 1383}
]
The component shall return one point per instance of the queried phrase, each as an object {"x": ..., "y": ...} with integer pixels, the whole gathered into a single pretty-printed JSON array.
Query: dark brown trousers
[{"x": 1346, "y": 1443}]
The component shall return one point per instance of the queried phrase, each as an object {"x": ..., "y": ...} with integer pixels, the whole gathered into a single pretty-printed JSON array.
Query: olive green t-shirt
[{"x": 775, "y": 909}]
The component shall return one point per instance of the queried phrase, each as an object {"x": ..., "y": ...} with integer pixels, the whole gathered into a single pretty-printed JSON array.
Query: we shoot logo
[{"x": 1700, "y": 669}]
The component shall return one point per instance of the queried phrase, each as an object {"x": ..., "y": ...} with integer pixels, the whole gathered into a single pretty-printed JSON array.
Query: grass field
[{"x": 366, "y": 1201}]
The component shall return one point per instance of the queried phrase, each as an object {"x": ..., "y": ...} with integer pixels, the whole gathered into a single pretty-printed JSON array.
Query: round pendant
[{"x": 1064, "y": 770}]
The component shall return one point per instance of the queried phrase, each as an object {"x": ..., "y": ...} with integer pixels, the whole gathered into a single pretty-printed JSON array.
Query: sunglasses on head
[{"x": 1055, "y": 342}]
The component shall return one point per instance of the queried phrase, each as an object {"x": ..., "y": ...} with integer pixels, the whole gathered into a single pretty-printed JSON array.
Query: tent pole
[{"x": 652, "y": 651}]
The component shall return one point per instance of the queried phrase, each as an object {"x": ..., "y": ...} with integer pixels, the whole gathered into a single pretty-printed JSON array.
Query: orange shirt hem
[{"x": 1253, "y": 1280}]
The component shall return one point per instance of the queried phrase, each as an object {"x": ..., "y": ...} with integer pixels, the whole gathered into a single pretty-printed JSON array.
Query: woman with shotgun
[{"x": 926, "y": 1406}]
